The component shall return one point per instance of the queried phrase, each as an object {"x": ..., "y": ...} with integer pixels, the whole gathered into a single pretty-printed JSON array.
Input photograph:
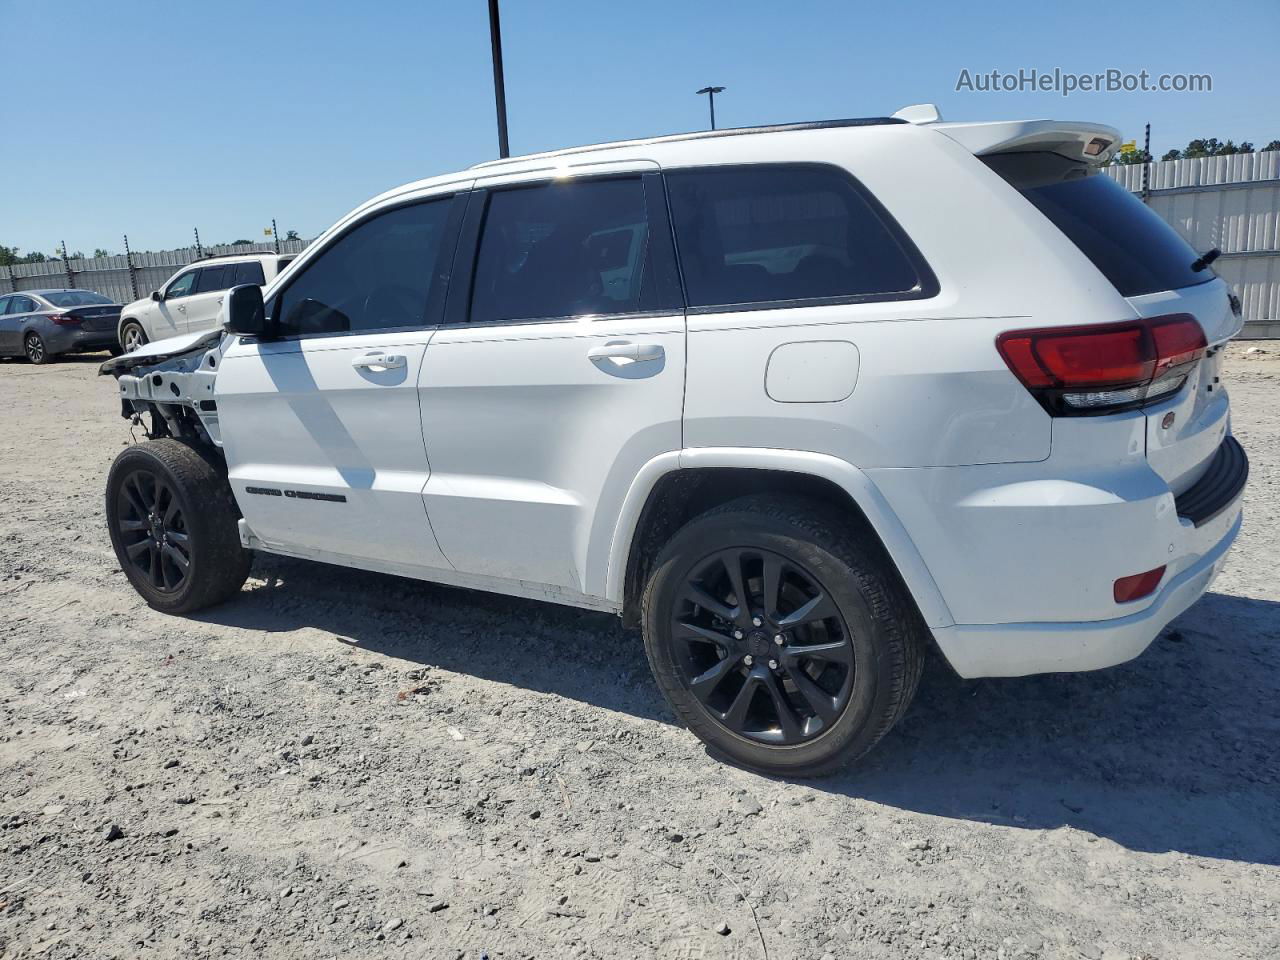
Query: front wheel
[
  {"x": 780, "y": 636},
  {"x": 173, "y": 525}
]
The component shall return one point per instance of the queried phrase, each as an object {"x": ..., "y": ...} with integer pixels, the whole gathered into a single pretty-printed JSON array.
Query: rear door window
[
  {"x": 770, "y": 233},
  {"x": 563, "y": 249},
  {"x": 1129, "y": 243},
  {"x": 215, "y": 278},
  {"x": 250, "y": 272}
]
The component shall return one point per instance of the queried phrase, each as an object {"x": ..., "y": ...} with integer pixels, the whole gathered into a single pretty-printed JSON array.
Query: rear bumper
[
  {"x": 1018, "y": 649},
  {"x": 71, "y": 340}
]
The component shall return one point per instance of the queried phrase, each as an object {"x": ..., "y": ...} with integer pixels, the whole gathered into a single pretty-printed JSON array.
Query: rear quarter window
[
  {"x": 771, "y": 233},
  {"x": 1129, "y": 243}
]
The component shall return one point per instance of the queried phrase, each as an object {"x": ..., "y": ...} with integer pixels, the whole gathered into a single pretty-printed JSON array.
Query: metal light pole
[
  {"x": 499, "y": 87},
  {"x": 711, "y": 101}
]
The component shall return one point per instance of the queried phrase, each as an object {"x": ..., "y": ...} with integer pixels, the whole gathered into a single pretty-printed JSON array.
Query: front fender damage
[{"x": 171, "y": 382}]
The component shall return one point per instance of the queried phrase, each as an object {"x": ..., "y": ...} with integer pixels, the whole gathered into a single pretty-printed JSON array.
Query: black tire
[
  {"x": 34, "y": 347},
  {"x": 821, "y": 564},
  {"x": 115, "y": 350},
  {"x": 167, "y": 502},
  {"x": 130, "y": 329}
]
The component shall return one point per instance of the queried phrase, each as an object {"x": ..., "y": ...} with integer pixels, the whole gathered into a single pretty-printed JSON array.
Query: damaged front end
[{"x": 171, "y": 383}]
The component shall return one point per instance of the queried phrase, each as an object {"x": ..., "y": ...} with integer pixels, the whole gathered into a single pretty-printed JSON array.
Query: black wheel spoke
[
  {"x": 136, "y": 550},
  {"x": 704, "y": 633},
  {"x": 823, "y": 704},
  {"x": 732, "y": 560},
  {"x": 171, "y": 510},
  {"x": 175, "y": 555},
  {"x": 177, "y": 536},
  {"x": 815, "y": 610},
  {"x": 157, "y": 576},
  {"x": 132, "y": 526},
  {"x": 771, "y": 585},
  {"x": 707, "y": 682},
  {"x": 696, "y": 594},
  {"x": 791, "y": 725},
  {"x": 736, "y": 716},
  {"x": 840, "y": 651},
  {"x": 134, "y": 495}
]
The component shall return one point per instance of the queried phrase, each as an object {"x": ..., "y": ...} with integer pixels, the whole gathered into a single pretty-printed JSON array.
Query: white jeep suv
[
  {"x": 191, "y": 299},
  {"x": 800, "y": 401}
]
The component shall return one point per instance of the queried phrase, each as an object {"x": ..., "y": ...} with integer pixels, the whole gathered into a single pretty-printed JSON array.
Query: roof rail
[{"x": 699, "y": 135}]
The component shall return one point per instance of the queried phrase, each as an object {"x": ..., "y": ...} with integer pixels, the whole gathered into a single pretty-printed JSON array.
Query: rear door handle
[
  {"x": 378, "y": 362},
  {"x": 624, "y": 350}
]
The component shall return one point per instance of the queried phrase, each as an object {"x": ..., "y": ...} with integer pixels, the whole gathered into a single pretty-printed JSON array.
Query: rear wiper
[{"x": 1201, "y": 262}]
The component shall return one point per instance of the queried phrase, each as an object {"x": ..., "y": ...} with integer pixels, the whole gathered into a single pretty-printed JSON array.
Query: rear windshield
[
  {"x": 75, "y": 298},
  {"x": 1136, "y": 250}
]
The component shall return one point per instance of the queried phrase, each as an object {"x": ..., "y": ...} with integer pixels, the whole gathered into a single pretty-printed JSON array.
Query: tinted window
[
  {"x": 215, "y": 278},
  {"x": 561, "y": 250},
  {"x": 22, "y": 305},
  {"x": 768, "y": 233},
  {"x": 378, "y": 275},
  {"x": 248, "y": 273},
  {"x": 76, "y": 298},
  {"x": 4, "y": 305},
  {"x": 1136, "y": 250},
  {"x": 182, "y": 286}
]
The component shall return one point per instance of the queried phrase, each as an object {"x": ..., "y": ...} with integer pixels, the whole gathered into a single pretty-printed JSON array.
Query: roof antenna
[{"x": 919, "y": 113}]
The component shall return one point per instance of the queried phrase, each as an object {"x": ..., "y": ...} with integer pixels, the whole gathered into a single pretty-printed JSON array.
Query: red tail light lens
[
  {"x": 1137, "y": 586},
  {"x": 66, "y": 319},
  {"x": 1104, "y": 367}
]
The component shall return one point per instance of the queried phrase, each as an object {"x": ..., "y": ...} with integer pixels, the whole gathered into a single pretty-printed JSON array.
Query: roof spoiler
[{"x": 1085, "y": 142}]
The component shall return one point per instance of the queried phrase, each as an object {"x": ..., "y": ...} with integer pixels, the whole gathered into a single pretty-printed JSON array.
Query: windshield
[
  {"x": 75, "y": 298},
  {"x": 1135, "y": 249}
]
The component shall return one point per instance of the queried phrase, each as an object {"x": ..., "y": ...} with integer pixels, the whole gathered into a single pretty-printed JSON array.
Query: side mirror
[
  {"x": 155, "y": 295},
  {"x": 245, "y": 314}
]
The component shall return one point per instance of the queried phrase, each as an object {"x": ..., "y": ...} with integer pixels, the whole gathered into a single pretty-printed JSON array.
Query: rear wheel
[
  {"x": 33, "y": 346},
  {"x": 132, "y": 336},
  {"x": 781, "y": 638},
  {"x": 173, "y": 525}
]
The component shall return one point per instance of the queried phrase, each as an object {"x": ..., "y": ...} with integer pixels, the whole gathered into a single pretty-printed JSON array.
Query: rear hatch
[{"x": 1151, "y": 266}]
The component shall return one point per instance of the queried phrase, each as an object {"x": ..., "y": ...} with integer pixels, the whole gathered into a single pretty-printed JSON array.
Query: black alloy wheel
[
  {"x": 761, "y": 644},
  {"x": 153, "y": 530}
]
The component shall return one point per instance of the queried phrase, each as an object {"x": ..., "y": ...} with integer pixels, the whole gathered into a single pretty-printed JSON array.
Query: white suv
[
  {"x": 800, "y": 401},
  {"x": 191, "y": 298}
]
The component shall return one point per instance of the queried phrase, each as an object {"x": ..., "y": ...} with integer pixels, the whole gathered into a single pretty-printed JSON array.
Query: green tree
[
  {"x": 292, "y": 235},
  {"x": 9, "y": 256},
  {"x": 1273, "y": 145},
  {"x": 99, "y": 252},
  {"x": 1132, "y": 157},
  {"x": 1172, "y": 155}
]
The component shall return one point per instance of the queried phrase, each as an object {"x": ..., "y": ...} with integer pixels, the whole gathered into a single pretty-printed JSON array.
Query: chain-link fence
[{"x": 123, "y": 278}]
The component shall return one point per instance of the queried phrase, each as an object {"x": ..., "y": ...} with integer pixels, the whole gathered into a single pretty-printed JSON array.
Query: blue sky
[{"x": 151, "y": 118}]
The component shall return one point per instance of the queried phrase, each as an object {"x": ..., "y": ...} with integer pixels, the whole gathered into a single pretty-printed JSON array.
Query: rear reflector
[
  {"x": 1137, "y": 586},
  {"x": 1104, "y": 367}
]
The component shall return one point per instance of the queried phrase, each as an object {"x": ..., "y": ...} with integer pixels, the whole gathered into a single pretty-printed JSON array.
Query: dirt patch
[{"x": 341, "y": 764}]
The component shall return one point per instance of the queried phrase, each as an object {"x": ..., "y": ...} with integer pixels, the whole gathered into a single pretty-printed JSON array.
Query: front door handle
[
  {"x": 378, "y": 362},
  {"x": 624, "y": 350}
]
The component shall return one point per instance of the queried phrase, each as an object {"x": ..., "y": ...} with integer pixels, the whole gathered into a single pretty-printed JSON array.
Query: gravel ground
[{"x": 342, "y": 764}]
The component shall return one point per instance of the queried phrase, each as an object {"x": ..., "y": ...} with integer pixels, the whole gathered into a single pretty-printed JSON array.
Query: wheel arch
[{"x": 667, "y": 494}]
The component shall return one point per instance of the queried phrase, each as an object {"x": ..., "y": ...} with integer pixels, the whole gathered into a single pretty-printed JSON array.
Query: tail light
[
  {"x": 66, "y": 319},
  {"x": 1104, "y": 367}
]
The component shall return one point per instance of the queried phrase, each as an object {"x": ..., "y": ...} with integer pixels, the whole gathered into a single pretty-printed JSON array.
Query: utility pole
[
  {"x": 711, "y": 101},
  {"x": 199, "y": 249},
  {"x": 275, "y": 234},
  {"x": 499, "y": 86}
]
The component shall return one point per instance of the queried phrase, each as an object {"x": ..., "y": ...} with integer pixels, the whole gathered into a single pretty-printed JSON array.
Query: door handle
[
  {"x": 378, "y": 362},
  {"x": 624, "y": 350}
]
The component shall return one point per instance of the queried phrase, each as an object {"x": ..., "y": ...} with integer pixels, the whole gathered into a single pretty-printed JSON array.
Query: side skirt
[{"x": 451, "y": 578}]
